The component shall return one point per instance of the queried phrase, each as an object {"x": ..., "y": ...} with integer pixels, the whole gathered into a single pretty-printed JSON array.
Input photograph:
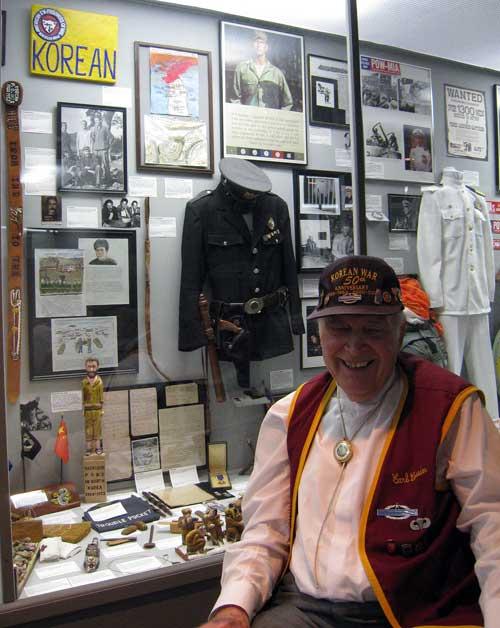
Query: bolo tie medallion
[{"x": 343, "y": 451}]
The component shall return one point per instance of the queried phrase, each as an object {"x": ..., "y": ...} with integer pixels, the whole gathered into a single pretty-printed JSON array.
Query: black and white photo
[
  {"x": 91, "y": 148},
  {"x": 328, "y": 92},
  {"x": 121, "y": 213},
  {"x": 403, "y": 212},
  {"x": 51, "y": 209}
]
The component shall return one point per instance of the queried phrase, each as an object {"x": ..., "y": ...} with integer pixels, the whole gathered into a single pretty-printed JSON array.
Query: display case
[{"x": 110, "y": 425}]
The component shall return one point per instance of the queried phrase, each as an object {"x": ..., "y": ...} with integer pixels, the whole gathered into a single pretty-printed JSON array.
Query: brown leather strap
[{"x": 12, "y": 95}]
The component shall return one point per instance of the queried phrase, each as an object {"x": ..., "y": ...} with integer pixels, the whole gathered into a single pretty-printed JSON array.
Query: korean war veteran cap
[{"x": 358, "y": 284}]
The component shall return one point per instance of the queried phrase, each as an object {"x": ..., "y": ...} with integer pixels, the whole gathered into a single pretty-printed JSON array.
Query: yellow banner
[{"x": 73, "y": 44}]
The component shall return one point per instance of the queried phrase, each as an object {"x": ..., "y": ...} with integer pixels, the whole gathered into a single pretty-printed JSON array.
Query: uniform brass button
[
  {"x": 257, "y": 290},
  {"x": 255, "y": 251},
  {"x": 470, "y": 227},
  {"x": 225, "y": 243},
  {"x": 256, "y": 271}
]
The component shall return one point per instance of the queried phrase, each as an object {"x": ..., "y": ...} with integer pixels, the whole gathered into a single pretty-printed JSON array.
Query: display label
[{"x": 73, "y": 44}]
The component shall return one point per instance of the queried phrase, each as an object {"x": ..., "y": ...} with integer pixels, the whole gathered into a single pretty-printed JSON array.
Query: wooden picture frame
[
  {"x": 328, "y": 92},
  {"x": 91, "y": 153},
  {"x": 311, "y": 355},
  {"x": 173, "y": 109}
]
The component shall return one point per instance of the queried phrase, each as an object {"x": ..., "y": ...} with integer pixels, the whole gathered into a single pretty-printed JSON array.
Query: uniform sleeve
[
  {"x": 429, "y": 248},
  {"x": 489, "y": 258},
  {"x": 253, "y": 566},
  {"x": 237, "y": 85},
  {"x": 286, "y": 95},
  {"x": 191, "y": 334},
  {"x": 473, "y": 469},
  {"x": 290, "y": 275}
]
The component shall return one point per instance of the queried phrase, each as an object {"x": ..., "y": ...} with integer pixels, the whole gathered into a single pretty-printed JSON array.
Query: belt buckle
[{"x": 254, "y": 305}]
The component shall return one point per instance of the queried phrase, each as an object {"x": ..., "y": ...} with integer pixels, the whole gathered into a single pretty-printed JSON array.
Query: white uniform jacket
[{"x": 455, "y": 250}]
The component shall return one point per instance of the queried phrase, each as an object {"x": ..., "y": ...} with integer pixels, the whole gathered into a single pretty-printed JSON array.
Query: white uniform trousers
[{"x": 468, "y": 341}]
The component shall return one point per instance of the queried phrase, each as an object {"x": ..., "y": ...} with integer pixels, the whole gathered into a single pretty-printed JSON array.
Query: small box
[{"x": 217, "y": 465}]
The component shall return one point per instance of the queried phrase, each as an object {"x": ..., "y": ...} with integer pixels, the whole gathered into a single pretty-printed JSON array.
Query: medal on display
[{"x": 12, "y": 95}]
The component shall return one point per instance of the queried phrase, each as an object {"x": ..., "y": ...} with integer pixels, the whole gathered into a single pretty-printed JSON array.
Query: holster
[{"x": 232, "y": 346}]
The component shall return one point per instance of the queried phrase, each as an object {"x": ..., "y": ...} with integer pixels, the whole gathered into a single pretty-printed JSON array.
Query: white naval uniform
[{"x": 456, "y": 268}]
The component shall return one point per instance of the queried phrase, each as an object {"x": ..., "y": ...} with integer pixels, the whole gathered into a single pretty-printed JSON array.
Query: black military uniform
[{"x": 240, "y": 266}]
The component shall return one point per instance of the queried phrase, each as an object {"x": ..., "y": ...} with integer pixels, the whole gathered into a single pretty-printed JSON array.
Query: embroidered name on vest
[{"x": 408, "y": 476}]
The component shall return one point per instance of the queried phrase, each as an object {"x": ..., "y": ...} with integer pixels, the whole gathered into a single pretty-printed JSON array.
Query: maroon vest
[{"x": 419, "y": 565}]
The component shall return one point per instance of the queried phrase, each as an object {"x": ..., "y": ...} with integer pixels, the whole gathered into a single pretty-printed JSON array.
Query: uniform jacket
[
  {"x": 455, "y": 251},
  {"x": 270, "y": 89},
  {"x": 217, "y": 246},
  {"x": 418, "y": 563}
]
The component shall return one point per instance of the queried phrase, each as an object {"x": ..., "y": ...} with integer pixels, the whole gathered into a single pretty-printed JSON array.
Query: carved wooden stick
[
  {"x": 220, "y": 393},
  {"x": 12, "y": 95},
  {"x": 147, "y": 296}
]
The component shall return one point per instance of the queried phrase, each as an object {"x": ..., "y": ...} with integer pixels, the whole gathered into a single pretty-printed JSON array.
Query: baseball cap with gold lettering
[{"x": 358, "y": 284}]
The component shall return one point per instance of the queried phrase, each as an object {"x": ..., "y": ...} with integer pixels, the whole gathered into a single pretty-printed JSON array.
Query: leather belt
[{"x": 256, "y": 305}]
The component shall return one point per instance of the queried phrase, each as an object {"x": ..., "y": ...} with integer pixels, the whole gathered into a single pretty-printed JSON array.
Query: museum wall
[{"x": 173, "y": 26}]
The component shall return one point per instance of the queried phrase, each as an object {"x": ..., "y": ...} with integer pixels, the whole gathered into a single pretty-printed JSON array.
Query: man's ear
[{"x": 402, "y": 331}]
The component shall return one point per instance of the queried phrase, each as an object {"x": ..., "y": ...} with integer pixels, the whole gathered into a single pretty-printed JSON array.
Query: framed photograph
[
  {"x": 328, "y": 92},
  {"x": 466, "y": 122},
  {"x": 82, "y": 301},
  {"x": 91, "y": 148},
  {"x": 263, "y": 96},
  {"x": 311, "y": 355},
  {"x": 173, "y": 109},
  {"x": 403, "y": 212},
  {"x": 323, "y": 218}
]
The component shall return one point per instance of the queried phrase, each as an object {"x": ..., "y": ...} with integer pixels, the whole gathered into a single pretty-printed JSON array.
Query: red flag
[{"x": 61, "y": 447}]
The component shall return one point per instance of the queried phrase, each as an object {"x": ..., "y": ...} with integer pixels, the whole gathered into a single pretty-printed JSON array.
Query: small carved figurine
[
  {"x": 213, "y": 526},
  {"x": 234, "y": 521},
  {"x": 195, "y": 541},
  {"x": 186, "y": 524},
  {"x": 93, "y": 399}
]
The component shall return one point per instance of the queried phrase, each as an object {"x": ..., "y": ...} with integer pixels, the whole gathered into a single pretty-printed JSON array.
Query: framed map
[{"x": 173, "y": 88}]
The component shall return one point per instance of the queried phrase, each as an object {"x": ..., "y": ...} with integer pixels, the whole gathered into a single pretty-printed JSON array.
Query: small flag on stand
[{"x": 61, "y": 447}]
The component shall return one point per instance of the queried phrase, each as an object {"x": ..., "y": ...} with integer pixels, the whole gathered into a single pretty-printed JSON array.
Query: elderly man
[{"x": 371, "y": 484}]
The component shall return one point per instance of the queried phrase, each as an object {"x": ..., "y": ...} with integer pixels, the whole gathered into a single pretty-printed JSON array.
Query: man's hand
[{"x": 228, "y": 617}]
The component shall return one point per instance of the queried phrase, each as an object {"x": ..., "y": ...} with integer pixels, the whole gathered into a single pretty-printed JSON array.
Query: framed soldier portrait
[
  {"x": 173, "y": 108},
  {"x": 91, "y": 148},
  {"x": 403, "y": 212},
  {"x": 263, "y": 95}
]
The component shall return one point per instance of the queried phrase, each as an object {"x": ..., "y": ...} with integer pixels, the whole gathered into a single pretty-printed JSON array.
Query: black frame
[
  {"x": 207, "y": 102},
  {"x": 334, "y": 218},
  {"x": 39, "y": 329},
  {"x": 335, "y": 117},
  {"x": 310, "y": 361},
  {"x": 110, "y": 188},
  {"x": 393, "y": 202}
]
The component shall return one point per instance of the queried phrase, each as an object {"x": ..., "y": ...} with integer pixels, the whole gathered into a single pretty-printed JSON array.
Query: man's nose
[{"x": 355, "y": 341}]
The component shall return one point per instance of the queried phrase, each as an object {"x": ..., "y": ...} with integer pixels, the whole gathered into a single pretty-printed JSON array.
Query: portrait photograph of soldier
[
  {"x": 418, "y": 149},
  {"x": 91, "y": 148},
  {"x": 263, "y": 93},
  {"x": 403, "y": 212},
  {"x": 51, "y": 209},
  {"x": 262, "y": 68}
]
